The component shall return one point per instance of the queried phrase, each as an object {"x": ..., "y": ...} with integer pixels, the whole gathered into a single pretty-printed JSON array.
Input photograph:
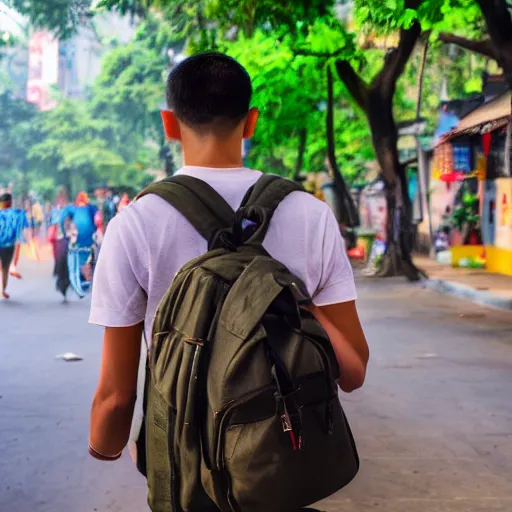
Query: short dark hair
[
  {"x": 6, "y": 198},
  {"x": 209, "y": 92}
]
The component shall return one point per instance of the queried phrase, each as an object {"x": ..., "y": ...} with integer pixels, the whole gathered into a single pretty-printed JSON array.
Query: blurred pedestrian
[
  {"x": 54, "y": 234},
  {"x": 82, "y": 216},
  {"x": 109, "y": 208},
  {"x": 123, "y": 203},
  {"x": 79, "y": 227},
  {"x": 13, "y": 224},
  {"x": 47, "y": 213},
  {"x": 38, "y": 217}
]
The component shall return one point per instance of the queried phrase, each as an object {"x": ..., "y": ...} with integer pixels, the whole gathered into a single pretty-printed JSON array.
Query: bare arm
[
  {"x": 341, "y": 322},
  {"x": 112, "y": 407}
]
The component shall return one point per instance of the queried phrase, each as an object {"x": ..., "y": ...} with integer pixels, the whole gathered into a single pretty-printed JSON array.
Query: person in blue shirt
[
  {"x": 78, "y": 227},
  {"x": 81, "y": 214},
  {"x": 13, "y": 223}
]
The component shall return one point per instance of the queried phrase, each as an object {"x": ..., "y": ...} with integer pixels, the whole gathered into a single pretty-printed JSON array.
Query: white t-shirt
[{"x": 146, "y": 245}]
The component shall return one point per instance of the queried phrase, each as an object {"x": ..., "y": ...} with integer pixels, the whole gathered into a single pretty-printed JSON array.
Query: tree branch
[
  {"x": 498, "y": 19},
  {"x": 355, "y": 85},
  {"x": 499, "y": 27},
  {"x": 320, "y": 55},
  {"x": 483, "y": 47},
  {"x": 395, "y": 61}
]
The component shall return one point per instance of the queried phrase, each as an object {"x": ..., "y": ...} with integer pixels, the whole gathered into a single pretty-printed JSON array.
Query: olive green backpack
[{"x": 241, "y": 402}]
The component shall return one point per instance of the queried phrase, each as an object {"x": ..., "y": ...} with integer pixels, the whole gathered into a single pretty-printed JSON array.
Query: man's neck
[
  {"x": 212, "y": 161},
  {"x": 213, "y": 153}
]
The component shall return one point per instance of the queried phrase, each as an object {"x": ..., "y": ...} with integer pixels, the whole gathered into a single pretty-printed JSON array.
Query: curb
[{"x": 463, "y": 291}]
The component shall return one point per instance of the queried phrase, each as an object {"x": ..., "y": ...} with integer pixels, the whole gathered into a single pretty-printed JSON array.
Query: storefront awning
[{"x": 486, "y": 118}]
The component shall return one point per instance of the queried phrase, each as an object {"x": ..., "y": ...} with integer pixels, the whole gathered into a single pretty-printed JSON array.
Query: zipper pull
[{"x": 286, "y": 420}]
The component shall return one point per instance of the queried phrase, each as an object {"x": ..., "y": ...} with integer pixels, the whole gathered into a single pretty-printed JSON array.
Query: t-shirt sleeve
[
  {"x": 337, "y": 279},
  {"x": 118, "y": 298}
]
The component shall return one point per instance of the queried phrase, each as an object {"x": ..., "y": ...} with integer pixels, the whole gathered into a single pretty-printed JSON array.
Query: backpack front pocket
[{"x": 266, "y": 470}]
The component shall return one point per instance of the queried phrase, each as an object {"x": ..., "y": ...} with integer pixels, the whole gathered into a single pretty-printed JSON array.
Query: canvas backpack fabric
[{"x": 241, "y": 401}]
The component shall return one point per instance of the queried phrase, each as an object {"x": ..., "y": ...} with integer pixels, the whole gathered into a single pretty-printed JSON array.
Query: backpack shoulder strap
[
  {"x": 199, "y": 203},
  {"x": 269, "y": 191},
  {"x": 262, "y": 200}
]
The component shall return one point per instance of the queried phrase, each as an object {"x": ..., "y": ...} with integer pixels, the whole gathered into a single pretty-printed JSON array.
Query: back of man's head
[
  {"x": 210, "y": 93},
  {"x": 5, "y": 201}
]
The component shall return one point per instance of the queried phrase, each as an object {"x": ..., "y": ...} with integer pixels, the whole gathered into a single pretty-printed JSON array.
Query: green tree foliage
[
  {"x": 289, "y": 89},
  {"x": 130, "y": 87},
  {"x": 74, "y": 147},
  {"x": 287, "y": 46},
  {"x": 15, "y": 136},
  {"x": 290, "y": 92},
  {"x": 60, "y": 16},
  {"x": 70, "y": 146}
]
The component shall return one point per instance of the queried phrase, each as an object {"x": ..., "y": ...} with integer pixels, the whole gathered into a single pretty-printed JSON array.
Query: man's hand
[
  {"x": 112, "y": 407},
  {"x": 341, "y": 322}
]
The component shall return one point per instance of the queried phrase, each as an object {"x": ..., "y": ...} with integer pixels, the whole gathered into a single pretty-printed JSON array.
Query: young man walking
[
  {"x": 145, "y": 246},
  {"x": 12, "y": 224}
]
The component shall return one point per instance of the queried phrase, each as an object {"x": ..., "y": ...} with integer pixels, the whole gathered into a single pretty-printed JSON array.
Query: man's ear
[
  {"x": 251, "y": 122},
  {"x": 171, "y": 125}
]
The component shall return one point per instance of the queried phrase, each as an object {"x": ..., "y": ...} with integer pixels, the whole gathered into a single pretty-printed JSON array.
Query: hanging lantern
[
  {"x": 486, "y": 143},
  {"x": 443, "y": 166}
]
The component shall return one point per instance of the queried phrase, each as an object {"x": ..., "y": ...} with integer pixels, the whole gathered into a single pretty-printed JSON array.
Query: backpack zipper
[{"x": 223, "y": 415}]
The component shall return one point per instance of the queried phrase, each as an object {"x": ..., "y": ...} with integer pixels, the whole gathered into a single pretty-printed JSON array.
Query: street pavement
[{"x": 433, "y": 422}]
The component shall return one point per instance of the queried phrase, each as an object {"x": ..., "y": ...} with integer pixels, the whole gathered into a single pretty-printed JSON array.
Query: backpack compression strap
[
  {"x": 199, "y": 203},
  {"x": 262, "y": 200}
]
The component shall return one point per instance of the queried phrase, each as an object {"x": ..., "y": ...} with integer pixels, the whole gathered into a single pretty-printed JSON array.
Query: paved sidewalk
[{"x": 476, "y": 285}]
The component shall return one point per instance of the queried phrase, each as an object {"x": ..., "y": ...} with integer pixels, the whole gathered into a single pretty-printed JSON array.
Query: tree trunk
[
  {"x": 376, "y": 101},
  {"x": 346, "y": 212},
  {"x": 303, "y": 137},
  {"x": 399, "y": 228}
]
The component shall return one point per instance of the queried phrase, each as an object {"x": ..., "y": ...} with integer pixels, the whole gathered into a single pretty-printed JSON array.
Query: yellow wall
[
  {"x": 460, "y": 252},
  {"x": 503, "y": 237},
  {"x": 499, "y": 261}
]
